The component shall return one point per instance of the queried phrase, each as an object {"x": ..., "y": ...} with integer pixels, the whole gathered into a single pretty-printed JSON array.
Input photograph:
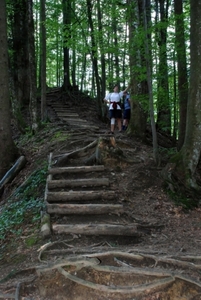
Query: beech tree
[{"x": 8, "y": 150}]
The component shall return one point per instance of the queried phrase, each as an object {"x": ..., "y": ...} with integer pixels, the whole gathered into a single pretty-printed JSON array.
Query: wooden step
[
  {"x": 75, "y": 120},
  {"x": 96, "y": 229},
  {"x": 82, "y": 209},
  {"x": 67, "y": 114},
  {"x": 82, "y": 126},
  {"x": 80, "y": 169},
  {"x": 62, "y": 183},
  {"x": 79, "y": 195}
]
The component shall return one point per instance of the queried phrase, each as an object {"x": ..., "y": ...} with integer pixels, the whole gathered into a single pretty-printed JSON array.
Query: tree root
[
  {"x": 77, "y": 261},
  {"x": 162, "y": 278},
  {"x": 143, "y": 288},
  {"x": 50, "y": 244}
]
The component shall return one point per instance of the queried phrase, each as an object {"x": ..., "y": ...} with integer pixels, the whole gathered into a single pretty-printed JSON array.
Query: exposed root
[
  {"x": 130, "y": 264},
  {"x": 50, "y": 244},
  {"x": 143, "y": 288},
  {"x": 78, "y": 262}
]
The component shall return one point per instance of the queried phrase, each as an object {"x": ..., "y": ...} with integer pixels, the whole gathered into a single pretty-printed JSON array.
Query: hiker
[
  {"x": 127, "y": 110},
  {"x": 115, "y": 111}
]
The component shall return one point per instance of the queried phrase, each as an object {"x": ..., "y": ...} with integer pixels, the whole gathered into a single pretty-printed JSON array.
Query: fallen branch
[
  {"x": 74, "y": 154},
  {"x": 12, "y": 173}
]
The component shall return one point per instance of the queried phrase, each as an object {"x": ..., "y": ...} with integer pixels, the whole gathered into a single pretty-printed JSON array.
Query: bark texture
[{"x": 8, "y": 150}]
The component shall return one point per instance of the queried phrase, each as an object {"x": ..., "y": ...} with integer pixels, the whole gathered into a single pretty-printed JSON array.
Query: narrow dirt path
[{"x": 110, "y": 232}]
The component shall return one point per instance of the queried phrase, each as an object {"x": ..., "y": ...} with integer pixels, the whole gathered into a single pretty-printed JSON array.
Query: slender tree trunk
[
  {"x": 43, "y": 62},
  {"x": 66, "y": 23},
  {"x": 32, "y": 68},
  {"x": 8, "y": 150},
  {"x": 164, "y": 113},
  {"x": 101, "y": 47},
  {"x": 139, "y": 87},
  {"x": 94, "y": 54},
  {"x": 149, "y": 80},
  {"x": 20, "y": 52},
  {"x": 180, "y": 46}
]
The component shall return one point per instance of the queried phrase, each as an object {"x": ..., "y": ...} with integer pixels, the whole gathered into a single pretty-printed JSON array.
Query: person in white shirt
[{"x": 113, "y": 99}]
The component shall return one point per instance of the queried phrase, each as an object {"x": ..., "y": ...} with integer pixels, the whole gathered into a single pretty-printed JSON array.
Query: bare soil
[{"x": 163, "y": 263}]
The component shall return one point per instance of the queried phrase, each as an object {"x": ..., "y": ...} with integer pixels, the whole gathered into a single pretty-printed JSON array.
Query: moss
[
  {"x": 45, "y": 219},
  {"x": 30, "y": 241}
]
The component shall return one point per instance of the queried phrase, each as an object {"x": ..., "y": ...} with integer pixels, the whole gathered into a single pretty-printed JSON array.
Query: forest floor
[{"x": 171, "y": 239}]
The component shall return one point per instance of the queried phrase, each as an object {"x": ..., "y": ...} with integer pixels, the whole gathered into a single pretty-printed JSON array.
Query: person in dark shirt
[{"x": 127, "y": 110}]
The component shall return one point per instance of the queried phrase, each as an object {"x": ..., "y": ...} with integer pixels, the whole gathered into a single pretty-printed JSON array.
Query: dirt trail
[{"x": 158, "y": 259}]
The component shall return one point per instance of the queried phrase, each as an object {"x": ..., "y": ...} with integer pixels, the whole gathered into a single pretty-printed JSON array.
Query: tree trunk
[
  {"x": 8, "y": 150},
  {"x": 66, "y": 34},
  {"x": 164, "y": 113},
  {"x": 32, "y": 67},
  {"x": 139, "y": 87},
  {"x": 192, "y": 143},
  {"x": 180, "y": 45},
  {"x": 149, "y": 80},
  {"x": 43, "y": 61},
  {"x": 181, "y": 173},
  {"x": 20, "y": 53},
  {"x": 94, "y": 54}
]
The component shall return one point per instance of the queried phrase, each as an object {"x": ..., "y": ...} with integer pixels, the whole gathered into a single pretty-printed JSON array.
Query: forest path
[
  {"x": 113, "y": 232},
  {"x": 96, "y": 225},
  {"x": 81, "y": 196}
]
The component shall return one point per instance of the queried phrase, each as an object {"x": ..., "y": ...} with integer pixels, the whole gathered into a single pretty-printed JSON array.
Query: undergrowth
[{"x": 25, "y": 204}]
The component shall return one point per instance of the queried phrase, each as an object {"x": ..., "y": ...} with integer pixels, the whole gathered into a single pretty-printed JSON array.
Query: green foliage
[
  {"x": 24, "y": 205},
  {"x": 60, "y": 136}
]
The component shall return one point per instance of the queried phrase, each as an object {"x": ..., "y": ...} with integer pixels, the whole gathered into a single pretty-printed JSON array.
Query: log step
[
  {"x": 80, "y": 169},
  {"x": 78, "y": 183},
  {"x": 84, "y": 126},
  {"x": 74, "y": 120},
  {"x": 82, "y": 209},
  {"x": 79, "y": 195},
  {"x": 67, "y": 114},
  {"x": 96, "y": 229}
]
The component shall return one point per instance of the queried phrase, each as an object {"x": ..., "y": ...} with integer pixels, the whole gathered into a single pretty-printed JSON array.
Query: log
[
  {"x": 82, "y": 209},
  {"x": 67, "y": 114},
  {"x": 79, "y": 195},
  {"x": 11, "y": 174},
  {"x": 76, "y": 120},
  {"x": 85, "y": 126},
  {"x": 81, "y": 169},
  {"x": 96, "y": 229},
  {"x": 78, "y": 183},
  {"x": 77, "y": 153}
]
